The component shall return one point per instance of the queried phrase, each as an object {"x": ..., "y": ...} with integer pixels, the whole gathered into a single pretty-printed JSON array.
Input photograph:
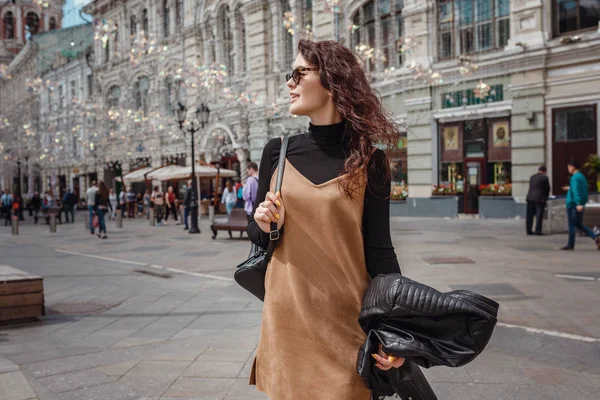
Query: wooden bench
[
  {"x": 236, "y": 221},
  {"x": 21, "y": 294}
]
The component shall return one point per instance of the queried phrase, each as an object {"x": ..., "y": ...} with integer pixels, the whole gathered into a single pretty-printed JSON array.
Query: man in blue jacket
[{"x": 577, "y": 197}]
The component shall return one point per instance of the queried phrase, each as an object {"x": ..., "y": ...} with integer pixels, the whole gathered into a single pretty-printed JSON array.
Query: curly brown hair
[{"x": 367, "y": 122}]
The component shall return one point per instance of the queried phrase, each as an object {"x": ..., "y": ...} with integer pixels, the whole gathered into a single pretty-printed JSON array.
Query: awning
[
  {"x": 174, "y": 172},
  {"x": 135, "y": 176}
]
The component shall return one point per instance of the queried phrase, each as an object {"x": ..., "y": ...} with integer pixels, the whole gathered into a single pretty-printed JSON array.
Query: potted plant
[
  {"x": 593, "y": 163},
  {"x": 495, "y": 189},
  {"x": 445, "y": 190}
]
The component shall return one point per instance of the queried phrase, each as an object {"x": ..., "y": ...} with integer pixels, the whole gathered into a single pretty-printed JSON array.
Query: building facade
[{"x": 484, "y": 91}]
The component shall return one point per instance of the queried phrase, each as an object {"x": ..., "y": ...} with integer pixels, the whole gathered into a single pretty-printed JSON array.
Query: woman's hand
[
  {"x": 270, "y": 210},
  {"x": 385, "y": 362}
]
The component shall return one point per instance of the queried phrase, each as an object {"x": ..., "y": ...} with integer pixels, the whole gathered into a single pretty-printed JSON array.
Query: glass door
[{"x": 473, "y": 180}]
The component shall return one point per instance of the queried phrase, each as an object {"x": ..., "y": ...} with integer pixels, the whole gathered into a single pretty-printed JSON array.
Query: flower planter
[{"x": 494, "y": 206}]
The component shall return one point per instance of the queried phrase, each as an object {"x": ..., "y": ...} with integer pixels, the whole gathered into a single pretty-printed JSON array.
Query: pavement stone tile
[
  {"x": 134, "y": 342},
  {"x": 241, "y": 389},
  {"x": 147, "y": 385},
  {"x": 221, "y": 354},
  {"x": 118, "y": 369},
  {"x": 14, "y": 386},
  {"x": 159, "y": 368},
  {"x": 200, "y": 388},
  {"x": 189, "y": 333},
  {"x": 7, "y": 366},
  {"x": 111, "y": 390},
  {"x": 74, "y": 380},
  {"x": 214, "y": 369}
]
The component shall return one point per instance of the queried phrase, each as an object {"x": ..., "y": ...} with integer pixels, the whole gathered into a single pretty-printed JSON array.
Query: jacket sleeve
[
  {"x": 380, "y": 256},
  {"x": 577, "y": 190},
  {"x": 546, "y": 188}
]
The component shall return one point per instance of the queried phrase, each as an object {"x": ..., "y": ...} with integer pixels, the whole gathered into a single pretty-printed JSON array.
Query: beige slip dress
[{"x": 315, "y": 283}]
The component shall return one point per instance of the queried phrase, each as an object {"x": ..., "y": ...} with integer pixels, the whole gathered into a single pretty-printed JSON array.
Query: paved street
[{"x": 153, "y": 312}]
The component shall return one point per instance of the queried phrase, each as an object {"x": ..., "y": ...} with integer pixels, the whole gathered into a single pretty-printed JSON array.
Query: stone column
[{"x": 237, "y": 52}]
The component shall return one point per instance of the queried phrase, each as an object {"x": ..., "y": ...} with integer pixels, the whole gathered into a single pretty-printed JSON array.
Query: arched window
[
  {"x": 145, "y": 26},
  {"x": 241, "y": 26},
  {"x": 140, "y": 94},
  {"x": 472, "y": 26},
  {"x": 52, "y": 24},
  {"x": 9, "y": 25},
  {"x": 385, "y": 17},
  {"x": 32, "y": 23},
  {"x": 112, "y": 100},
  {"x": 226, "y": 38},
  {"x": 107, "y": 52},
  {"x": 288, "y": 39},
  {"x": 166, "y": 17},
  {"x": 132, "y": 26}
]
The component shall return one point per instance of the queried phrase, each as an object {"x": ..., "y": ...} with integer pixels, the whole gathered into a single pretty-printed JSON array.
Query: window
[
  {"x": 178, "y": 15},
  {"x": 385, "y": 17},
  {"x": 145, "y": 26},
  {"x": 116, "y": 37},
  {"x": 308, "y": 15},
  {"x": 32, "y": 23},
  {"x": 226, "y": 38},
  {"x": 89, "y": 86},
  {"x": 73, "y": 91},
  {"x": 288, "y": 39},
  {"x": 166, "y": 17},
  {"x": 575, "y": 15},
  {"x": 242, "y": 35},
  {"x": 61, "y": 97},
  {"x": 574, "y": 124},
  {"x": 107, "y": 52},
  {"x": 52, "y": 24},
  {"x": 114, "y": 93},
  {"x": 140, "y": 94},
  {"x": 132, "y": 26},
  {"x": 169, "y": 96},
  {"x": 471, "y": 26},
  {"x": 9, "y": 25}
]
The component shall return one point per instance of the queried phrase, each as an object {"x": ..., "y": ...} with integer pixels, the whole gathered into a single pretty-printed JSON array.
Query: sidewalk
[{"x": 112, "y": 333}]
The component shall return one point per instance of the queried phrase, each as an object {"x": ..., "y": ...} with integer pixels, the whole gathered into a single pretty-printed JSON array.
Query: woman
[
  {"x": 147, "y": 203},
  {"x": 170, "y": 199},
  {"x": 334, "y": 204},
  {"x": 229, "y": 196},
  {"x": 102, "y": 206},
  {"x": 158, "y": 201},
  {"x": 112, "y": 199}
]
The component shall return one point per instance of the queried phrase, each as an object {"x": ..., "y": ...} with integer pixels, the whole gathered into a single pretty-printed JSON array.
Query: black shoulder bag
[{"x": 251, "y": 273}]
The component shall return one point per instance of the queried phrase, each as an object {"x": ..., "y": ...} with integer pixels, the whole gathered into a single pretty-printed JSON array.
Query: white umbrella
[
  {"x": 174, "y": 172},
  {"x": 135, "y": 176}
]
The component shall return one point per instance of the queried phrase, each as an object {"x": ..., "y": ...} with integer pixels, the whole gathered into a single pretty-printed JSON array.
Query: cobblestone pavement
[{"x": 152, "y": 312}]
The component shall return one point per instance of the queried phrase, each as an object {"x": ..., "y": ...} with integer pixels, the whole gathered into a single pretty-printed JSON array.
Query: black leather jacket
[{"x": 425, "y": 326}]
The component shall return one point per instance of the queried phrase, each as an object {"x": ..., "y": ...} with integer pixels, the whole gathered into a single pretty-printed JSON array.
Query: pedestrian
[
  {"x": 187, "y": 202},
  {"x": 158, "y": 201},
  {"x": 337, "y": 188},
  {"x": 21, "y": 206},
  {"x": 123, "y": 201},
  {"x": 131, "y": 203},
  {"x": 112, "y": 199},
  {"x": 537, "y": 196},
  {"x": 239, "y": 190},
  {"x": 171, "y": 207},
  {"x": 36, "y": 204},
  {"x": 102, "y": 206},
  {"x": 147, "y": 203},
  {"x": 7, "y": 202},
  {"x": 250, "y": 188},
  {"x": 90, "y": 200},
  {"x": 69, "y": 202},
  {"x": 50, "y": 206},
  {"x": 139, "y": 202},
  {"x": 229, "y": 197},
  {"x": 577, "y": 198}
]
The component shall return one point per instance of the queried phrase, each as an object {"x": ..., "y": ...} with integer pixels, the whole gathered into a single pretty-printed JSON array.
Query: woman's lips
[{"x": 294, "y": 97}]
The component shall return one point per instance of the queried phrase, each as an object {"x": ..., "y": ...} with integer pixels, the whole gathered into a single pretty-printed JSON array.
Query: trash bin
[{"x": 15, "y": 225}]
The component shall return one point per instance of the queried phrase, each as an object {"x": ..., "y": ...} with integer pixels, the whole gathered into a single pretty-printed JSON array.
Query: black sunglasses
[{"x": 298, "y": 73}]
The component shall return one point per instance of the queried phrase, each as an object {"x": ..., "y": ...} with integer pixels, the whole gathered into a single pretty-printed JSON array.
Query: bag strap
[{"x": 278, "y": 182}]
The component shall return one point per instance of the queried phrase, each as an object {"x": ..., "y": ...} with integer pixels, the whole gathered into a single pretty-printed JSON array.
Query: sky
[{"x": 71, "y": 15}]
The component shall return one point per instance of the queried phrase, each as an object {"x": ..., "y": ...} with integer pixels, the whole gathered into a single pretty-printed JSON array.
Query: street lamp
[{"x": 202, "y": 114}]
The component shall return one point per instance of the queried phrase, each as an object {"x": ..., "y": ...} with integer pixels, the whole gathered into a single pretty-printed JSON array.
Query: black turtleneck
[{"x": 319, "y": 155}]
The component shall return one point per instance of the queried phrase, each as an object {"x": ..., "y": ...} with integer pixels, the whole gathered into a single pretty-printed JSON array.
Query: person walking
[
  {"x": 90, "y": 200},
  {"x": 577, "y": 198},
  {"x": 537, "y": 196},
  {"x": 102, "y": 206},
  {"x": 171, "y": 204},
  {"x": 131, "y": 206},
  {"x": 229, "y": 197},
  {"x": 69, "y": 202},
  {"x": 334, "y": 204},
  {"x": 147, "y": 203},
  {"x": 7, "y": 203},
  {"x": 250, "y": 189},
  {"x": 112, "y": 199},
  {"x": 187, "y": 202},
  {"x": 158, "y": 201},
  {"x": 36, "y": 204},
  {"x": 123, "y": 201}
]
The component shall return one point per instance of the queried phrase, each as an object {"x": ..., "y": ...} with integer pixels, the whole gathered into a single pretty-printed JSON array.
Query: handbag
[
  {"x": 95, "y": 222},
  {"x": 251, "y": 273}
]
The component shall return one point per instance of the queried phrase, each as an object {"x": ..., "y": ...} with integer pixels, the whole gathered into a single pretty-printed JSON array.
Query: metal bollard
[
  {"x": 151, "y": 217},
  {"x": 87, "y": 222},
  {"x": 52, "y": 223},
  {"x": 211, "y": 213},
  {"x": 119, "y": 219},
  {"x": 15, "y": 225}
]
